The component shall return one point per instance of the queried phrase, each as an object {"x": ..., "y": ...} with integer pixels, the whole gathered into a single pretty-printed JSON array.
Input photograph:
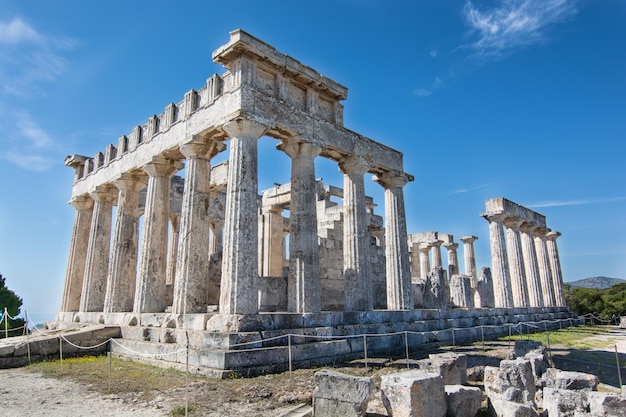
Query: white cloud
[
  {"x": 514, "y": 24},
  {"x": 17, "y": 31},
  {"x": 467, "y": 190},
  {"x": 557, "y": 203},
  {"x": 434, "y": 53},
  {"x": 424, "y": 92}
]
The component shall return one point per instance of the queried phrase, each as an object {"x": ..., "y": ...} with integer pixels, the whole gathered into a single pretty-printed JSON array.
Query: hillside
[{"x": 596, "y": 282}]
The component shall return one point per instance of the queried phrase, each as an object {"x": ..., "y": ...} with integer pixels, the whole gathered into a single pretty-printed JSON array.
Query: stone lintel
[
  {"x": 501, "y": 205},
  {"x": 423, "y": 237}
]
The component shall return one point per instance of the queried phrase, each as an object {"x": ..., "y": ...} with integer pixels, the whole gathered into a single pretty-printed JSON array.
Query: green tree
[
  {"x": 12, "y": 302},
  {"x": 606, "y": 302}
]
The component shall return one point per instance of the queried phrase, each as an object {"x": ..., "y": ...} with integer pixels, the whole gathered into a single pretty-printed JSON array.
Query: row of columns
[
  {"x": 423, "y": 252},
  {"x": 123, "y": 281},
  {"x": 525, "y": 262}
]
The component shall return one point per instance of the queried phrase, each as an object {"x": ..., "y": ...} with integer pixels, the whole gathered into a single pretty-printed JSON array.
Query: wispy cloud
[
  {"x": 424, "y": 92},
  {"x": 514, "y": 24},
  {"x": 557, "y": 203},
  {"x": 467, "y": 190}
]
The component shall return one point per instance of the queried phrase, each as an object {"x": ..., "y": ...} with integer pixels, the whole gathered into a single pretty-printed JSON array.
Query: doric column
[
  {"x": 469, "y": 259},
  {"x": 151, "y": 293},
  {"x": 78, "y": 253},
  {"x": 97, "y": 263},
  {"x": 555, "y": 267},
  {"x": 272, "y": 241},
  {"x": 355, "y": 236},
  {"x": 192, "y": 259},
  {"x": 436, "y": 254},
  {"x": 415, "y": 261},
  {"x": 516, "y": 263},
  {"x": 172, "y": 254},
  {"x": 545, "y": 274},
  {"x": 500, "y": 268},
  {"x": 453, "y": 259},
  {"x": 240, "y": 268},
  {"x": 303, "y": 293},
  {"x": 215, "y": 239},
  {"x": 398, "y": 271},
  {"x": 535, "y": 298},
  {"x": 424, "y": 249},
  {"x": 120, "y": 292}
]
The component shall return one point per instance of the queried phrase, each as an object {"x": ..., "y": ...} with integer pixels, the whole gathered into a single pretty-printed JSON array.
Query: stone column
[
  {"x": 415, "y": 261},
  {"x": 122, "y": 276},
  {"x": 215, "y": 240},
  {"x": 172, "y": 254},
  {"x": 355, "y": 236},
  {"x": 469, "y": 259},
  {"x": 151, "y": 293},
  {"x": 500, "y": 268},
  {"x": 272, "y": 242},
  {"x": 240, "y": 268},
  {"x": 192, "y": 259},
  {"x": 303, "y": 289},
  {"x": 516, "y": 263},
  {"x": 424, "y": 249},
  {"x": 535, "y": 298},
  {"x": 436, "y": 253},
  {"x": 555, "y": 268},
  {"x": 78, "y": 253},
  {"x": 453, "y": 259},
  {"x": 97, "y": 263},
  {"x": 545, "y": 274},
  {"x": 397, "y": 268}
]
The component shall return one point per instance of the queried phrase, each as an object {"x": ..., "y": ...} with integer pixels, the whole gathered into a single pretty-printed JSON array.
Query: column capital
[
  {"x": 82, "y": 202},
  {"x": 424, "y": 247},
  {"x": 202, "y": 150},
  {"x": 553, "y": 235},
  {"x": 103, "y": 193},
  {"x": 451, "y": 246},
  {"x": 134, "y": 181},
  {"x": 513, "y": 222},
  {"x": 468, "y": 239},
  {"x": 393, "y": 179},
  {"x": 296, "y": 148},
  {"x": 528, "y": 227},
  {"x": 541, "y": 231},
  {"x": 353, "y": 165},
  {"x": 495, "y": 217},
  {"x": 244, "y": 129},
  {"x": 162, "y": 167},
  {"x": 436, "y": 243}
]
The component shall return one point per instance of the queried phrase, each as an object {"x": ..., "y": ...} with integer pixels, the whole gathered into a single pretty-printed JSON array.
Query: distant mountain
[{"x": 596, "y": 282}]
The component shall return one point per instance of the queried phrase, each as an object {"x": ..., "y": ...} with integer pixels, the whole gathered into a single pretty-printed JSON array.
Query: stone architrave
[
  {"x": 516, "y": 263},
  {"x": 436, "y": 254},
  {"x": 240, "y": 267},
  {"x": 545, "y": 274},
  {"x": 533, "y": 281},
  {"x": 469, "y": 259},
  {"x": 424, "y": 249},
  {"x": 192, "y": 260},
  {"x": 555, "y": 267},
  {"x": 500, "y": 269},
  {"x": 78, "y": 253},
  {"x": 355, "y": 236},
  {"x": 483, "y": 297},
  {"x": 122, "y": 275},
  {"x": 453, "y": 259},
  {"x": 150, "y": 292},
  {"x": 98, "y": 248},
  {"x": 303, "y": 286},
  {"x": 398, "y": 271}
]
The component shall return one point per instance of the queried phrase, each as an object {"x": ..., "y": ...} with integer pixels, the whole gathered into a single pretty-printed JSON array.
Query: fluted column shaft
[
  {"x": 78, "y": 253},
  {"x": 355, "y": 235},
  {"x": 453, "y": 259},
  {"x": 397, "y": 267},
  {"x": 303, "y": 292},
  {"x": 271, "y": 244},
  {"x": 531, "y": 268},
  {"x": 500, "y": 269},
  {"x": 415, "y": 261},
  {"x": 150, "y": 292},
  {"x": 469, "y": 259},
  {"x": 192, "y": 259},
  {"x": 240, "y": 268},
  {"x": 215, "y": 239},
  {"x": 555, "y": 267},
  {"x": 516, "y": 264},
  {"x": 172, "y": 255},
  {"x": 545, "y": 274},
  {"x": 424, "y": 249},
  {"x": 97, "y": 263},
  {"x": 122, "y": 276},
  {"x": 436, "y": 254}
]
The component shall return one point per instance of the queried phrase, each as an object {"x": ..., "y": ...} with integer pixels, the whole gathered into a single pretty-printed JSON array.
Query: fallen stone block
[
  {"x": 413, "y": 394},
  {"x": 556, "y": 378},
  {"x": 504, "y": 408},
  {"x": 522, "y": 347},
  {"x": 463, "y": 401},
  {"x": 606, "y": 404},
  {"x": 340, "y": 395},
  {"x": 563, "y": 402},
  {"x": 451, "y": 366},
  {"x": 512, "y": 381}
]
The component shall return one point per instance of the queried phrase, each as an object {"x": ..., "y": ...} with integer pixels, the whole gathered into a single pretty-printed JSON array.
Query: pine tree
[{"x": 12, "y": 302}]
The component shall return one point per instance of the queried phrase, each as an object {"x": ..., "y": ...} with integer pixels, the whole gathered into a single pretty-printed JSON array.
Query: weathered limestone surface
[
  {"x": 413, "y": 394},
  {"x": 469, "y": 259},
  {"x": 461, "y": 293},
  {"x": 606, "y": 404},
  {"x": 340, "y": 395},
  {"x": 484, "y": 290},
  {"x": 511, "y": 388},
  {"x": 558, "y": 379},
  {"x": 436, "y": 292},
  {"x": 563, "y": 402},
  {"x": 452, "y": 367},
  {"x": 463, "y": 401}
]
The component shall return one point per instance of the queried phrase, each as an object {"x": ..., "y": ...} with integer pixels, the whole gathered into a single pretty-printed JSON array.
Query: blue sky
[{"x": 523, "y": 99}]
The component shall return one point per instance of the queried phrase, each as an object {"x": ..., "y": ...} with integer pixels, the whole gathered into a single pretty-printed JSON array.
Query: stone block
[
  {"x": 340, "y": 395},
  {"x": 513, "y": 381},
  {"x": 504, "y": 408},
  {"x": 462, "y": 401},
  {"x": 563, "y": 403},
  {"x": 461, "y": 293},
  {"x": 522, "y": 347},
  {"x": 606, "y": 404},
  {"x": 484, "y": 290},
  {"x": 436, "y": 292},
  {"x": 413, "y": 394},
  {"x": 556, "y": 378},
  {"x": 451, "y": 366}
]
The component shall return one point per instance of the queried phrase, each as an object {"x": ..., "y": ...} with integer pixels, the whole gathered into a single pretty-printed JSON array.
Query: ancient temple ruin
[{"x": 222, "y": 268}]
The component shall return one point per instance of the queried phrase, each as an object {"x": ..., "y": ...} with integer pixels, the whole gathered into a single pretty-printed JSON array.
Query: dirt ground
[{"x": 27, "y": 393}]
